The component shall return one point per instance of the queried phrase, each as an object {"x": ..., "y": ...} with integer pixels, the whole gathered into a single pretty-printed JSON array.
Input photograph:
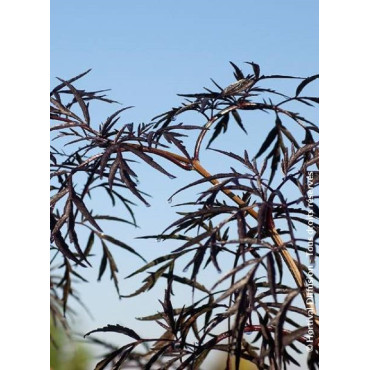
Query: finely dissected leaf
[
  {"x": 196, "y": 262},
  {"x": 214, "y": 228},
  {"x": 179, "y": 144},
  {"x": 238, "y": 120},
  {"x": 219, "y": 87},
  {"x": 186, "y": 281},
  {"x": 240, "y": 321},
  {"x": 63, "y": 248},
  {"x": 116, "y": 329},
  {"x": 204, "y": 180},
  {"x": 299, "y": 153},
  {"x": 103, "y": 266},
  {"x": 89, "y": 244},
  {"x": 256, "y": 69},
  {"x": 195, "y": 240},
  {"x": 147, "y": 286},
  {"x": 230, "y": 154},
  {"x": 85, "y": 212},
  {"x": 289, "y": 135},
  {"x": 57, "y": 224},
  {"x": 220, "y": 125},
  {"x": 120, "y": 244},
  {"x": 279, "y": 264},
  {"x": 125, "y": 177},
  {"x": 238, "y": 73},
  {"x": 151, "y": 162},
  {"x": 271, "y": 274},
  {"x": 269, "y": 139},
  {"x": 63, "y": 84},
  {"x": 80, "y": 101},
  {"x": 159, "y": 315},
  {"x": 166, "y": 118},
  {"x": 104, "y": 160},
  {"x": 124, "y": 165},
  {"x": 107, "y": 124},
  {"x": 113, "y": 218},
  {"x": 312, "y": 98},
  {"x": 236, "y": 269},
  {"x": 165, "y": 237},
  {"x": 151, "y": 280},
  {"x": 280, "y": 322},
  {"x": 112, "y": 172},
  {"x": 281, "y": 76},
  {"x": 66, "y": 286},
  {"x": 239, "y": 284},
  {"x": 112, "y": 265},
  {"x": 304, "y": 83},
  {"x": 156, "y": 262},
  {"x": 275, "y": 153},
  {"x": 123, "y": 358},
  {"x": 107, "y": 360},
  {"x": 67, "y": 125},
  {"x": 73, "y": 235},
  {"x": 156, "y": 356},
  {"x": 74, "y": 273}
]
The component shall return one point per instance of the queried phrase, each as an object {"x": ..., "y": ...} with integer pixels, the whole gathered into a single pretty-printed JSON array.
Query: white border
[
  {"x": 24, "y": 272},
  {"x": 345, "y": 135}
]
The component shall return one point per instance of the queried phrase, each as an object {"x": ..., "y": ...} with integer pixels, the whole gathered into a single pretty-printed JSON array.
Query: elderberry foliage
[{"x": 255, "y": 222}]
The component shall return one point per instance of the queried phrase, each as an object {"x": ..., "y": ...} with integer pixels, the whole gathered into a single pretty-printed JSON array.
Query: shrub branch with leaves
[{"x": 236, "y": 217}]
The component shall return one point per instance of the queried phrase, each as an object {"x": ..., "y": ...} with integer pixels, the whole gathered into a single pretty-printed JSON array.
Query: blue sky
[{"x": 147, "y": 52}]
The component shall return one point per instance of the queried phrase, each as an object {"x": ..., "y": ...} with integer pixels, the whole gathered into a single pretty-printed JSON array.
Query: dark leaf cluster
[{"x": 249, "y": 223}]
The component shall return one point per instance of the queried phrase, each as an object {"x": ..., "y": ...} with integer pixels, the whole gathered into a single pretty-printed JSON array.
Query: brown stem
[
  {"x": 179, "y": 160},
  {"x": 207, "y": 126},
  {"x": 187, "y": 164},
  {"x": 288, "y": 259}
]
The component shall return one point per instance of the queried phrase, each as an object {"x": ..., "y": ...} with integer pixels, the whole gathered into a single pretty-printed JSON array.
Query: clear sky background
[{"x": 149, "y": 51}]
